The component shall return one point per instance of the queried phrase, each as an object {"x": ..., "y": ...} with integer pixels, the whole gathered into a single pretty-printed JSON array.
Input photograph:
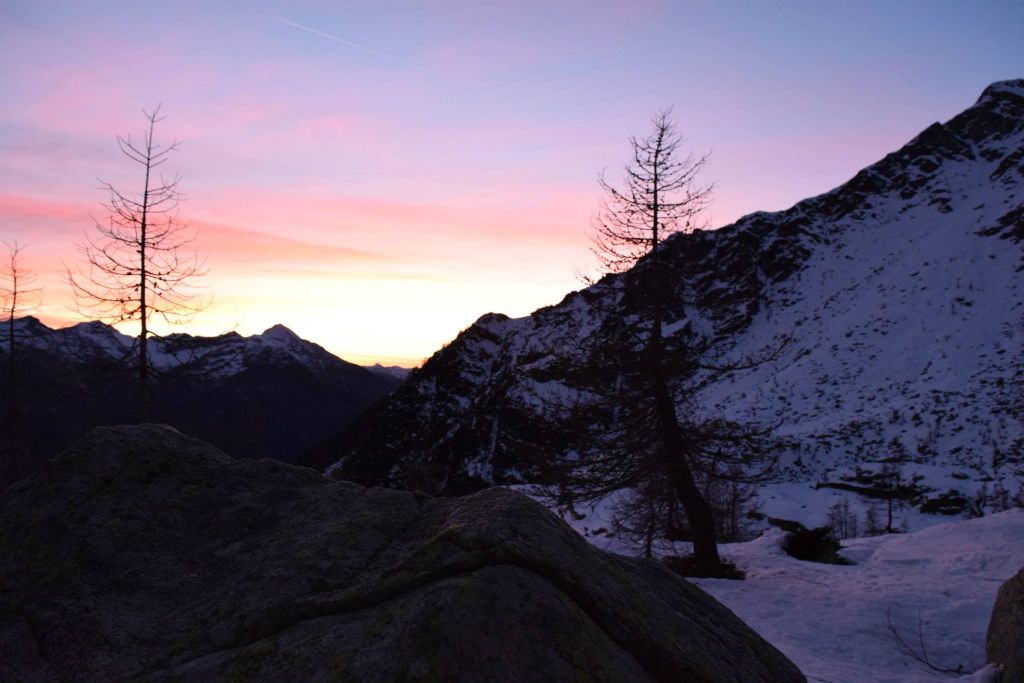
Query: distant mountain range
[
  {"x": 396, "y": 371},
  {"x": 266, "y": 395},
  {"x": 901, "y": 291}
]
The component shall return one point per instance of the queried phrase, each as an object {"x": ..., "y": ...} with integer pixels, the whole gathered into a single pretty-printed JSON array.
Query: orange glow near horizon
[{"x": 402, "y": 306}]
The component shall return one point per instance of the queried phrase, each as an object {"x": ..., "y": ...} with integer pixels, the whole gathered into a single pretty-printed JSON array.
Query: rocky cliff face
[
  {"x": 901, "y": 293},
  {"x": 267, "y": 395},
  {"x": 145, "y": 555}
]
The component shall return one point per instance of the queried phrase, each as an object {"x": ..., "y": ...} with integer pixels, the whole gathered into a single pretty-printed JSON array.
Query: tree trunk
[
  {"x": 144, "y": 375},
  {"x": 698, "y": 511},
  {"x": 12, "y": 387},
  {"x": 143, "y": 313}
]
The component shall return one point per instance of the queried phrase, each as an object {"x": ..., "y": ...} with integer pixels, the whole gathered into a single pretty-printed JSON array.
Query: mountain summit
[
  {"x": 901, "y": 293},
  {"x": 279, "y": 333}
]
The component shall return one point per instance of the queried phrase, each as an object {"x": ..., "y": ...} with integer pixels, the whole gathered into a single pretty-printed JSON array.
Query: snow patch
[{"x": 831, "y": 620}]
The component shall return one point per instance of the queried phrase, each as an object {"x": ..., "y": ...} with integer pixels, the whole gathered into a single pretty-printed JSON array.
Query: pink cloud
[
  {"x": 14, "y": 208},
  {"x": 248, "y": 247},
  {"x": 515, "y": 218}
]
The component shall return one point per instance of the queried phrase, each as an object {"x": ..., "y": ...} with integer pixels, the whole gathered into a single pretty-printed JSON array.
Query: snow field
[{"x": 831, "y": 620}]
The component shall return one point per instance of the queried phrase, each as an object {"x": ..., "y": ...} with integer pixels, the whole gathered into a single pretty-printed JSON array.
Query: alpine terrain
[{"x": 894, "y": 306}]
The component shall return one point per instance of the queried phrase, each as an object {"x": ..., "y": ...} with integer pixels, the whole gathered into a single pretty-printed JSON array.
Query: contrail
[{"x": 330, "y": 37}]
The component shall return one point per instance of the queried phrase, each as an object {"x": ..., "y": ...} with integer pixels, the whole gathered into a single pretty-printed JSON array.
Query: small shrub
[{"x": 814, "y": 545}]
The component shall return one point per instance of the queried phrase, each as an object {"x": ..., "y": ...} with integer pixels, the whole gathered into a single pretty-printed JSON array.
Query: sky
[{"x": 376, "y": 176}]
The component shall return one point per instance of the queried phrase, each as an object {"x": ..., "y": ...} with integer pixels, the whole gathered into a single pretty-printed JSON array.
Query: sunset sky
[{"x": 377, "y": 175}]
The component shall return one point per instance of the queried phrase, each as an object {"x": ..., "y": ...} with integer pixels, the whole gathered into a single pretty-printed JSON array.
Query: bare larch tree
[
  {"x": 634, "y": 442},
  {"x": 141, "y": 264},
  {"x": 661, "y": 196},
  {"x": 18, "y": 292}
]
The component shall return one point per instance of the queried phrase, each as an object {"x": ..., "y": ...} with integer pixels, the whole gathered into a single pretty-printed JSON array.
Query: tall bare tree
[
  {"x": 141, "y": 264},
  {"x": 634, "y": 442},
  {"x": 660, "y": 196},
  {"x": 18, "y": 292}
]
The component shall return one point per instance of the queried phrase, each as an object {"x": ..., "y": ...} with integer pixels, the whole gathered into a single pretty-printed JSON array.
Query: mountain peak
[
  {"x": 100, "y": 333},
  {"x": 278, "y": 334},
  {"x": 279, "y": 330},
  {"x": 30, "y": 323},
  {"x": 394, "y": 371},
  {"x": 1013, "y": 86}
]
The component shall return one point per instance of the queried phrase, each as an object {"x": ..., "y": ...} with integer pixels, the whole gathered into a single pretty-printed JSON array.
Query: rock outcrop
[
  {"x": 144, "y": 555},
  {"x": 1004, "y": 643}
]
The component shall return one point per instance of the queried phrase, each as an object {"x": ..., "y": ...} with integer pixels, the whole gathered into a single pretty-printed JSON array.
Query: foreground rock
[
  {"x": 145, "y": 555},
  {"x": 1004, "y": 643}
]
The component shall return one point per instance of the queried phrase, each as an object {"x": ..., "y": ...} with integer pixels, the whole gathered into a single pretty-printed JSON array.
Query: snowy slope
[
  {"x": 831, "y": 619},
  {"x": 901, "y": 292}
]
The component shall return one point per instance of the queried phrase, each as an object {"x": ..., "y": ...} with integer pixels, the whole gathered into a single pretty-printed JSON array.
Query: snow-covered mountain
[
  {"x": 213, "y": 357},
  {"x": 265, "y": 395},
  {"x": 901, "y": 293}
]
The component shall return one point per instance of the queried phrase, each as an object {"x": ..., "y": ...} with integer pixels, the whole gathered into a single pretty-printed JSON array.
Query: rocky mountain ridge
[
  {"x": 215, "y": 357},
  {"x": 267, "y": 395},
  {"x": 901, "y": 295}
]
